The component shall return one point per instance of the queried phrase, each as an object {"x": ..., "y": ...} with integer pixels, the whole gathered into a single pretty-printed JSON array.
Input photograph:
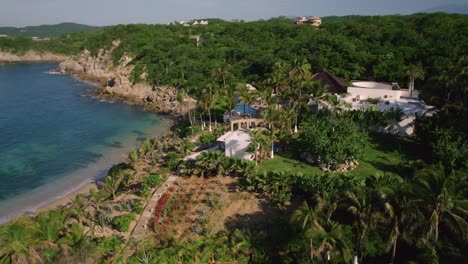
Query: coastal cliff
[
  {"x": 30, "y": 56},
  {"x": 116, "y": 81}
]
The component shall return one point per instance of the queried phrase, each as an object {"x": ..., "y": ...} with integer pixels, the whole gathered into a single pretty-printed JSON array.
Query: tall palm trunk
[
  {"x": 326, "y": 257},
  {"x": 295, "y": 125},
  {"x": 272, "y": 149},
  {"x": 355, "y": 260},
  {"x": 209, "y": 118},
  {"x": 202, "y": 124},
  {"x": 411, "y": 88},
  {"x": 190, "y": 119},
  {"x": 392, "y": 260}
]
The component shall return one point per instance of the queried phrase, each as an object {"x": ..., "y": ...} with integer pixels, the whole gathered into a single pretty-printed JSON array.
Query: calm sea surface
[{"x": 53, "y": 139}]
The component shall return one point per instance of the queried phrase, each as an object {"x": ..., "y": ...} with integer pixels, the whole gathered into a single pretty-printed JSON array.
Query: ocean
[{"x": 54, "y": 137}]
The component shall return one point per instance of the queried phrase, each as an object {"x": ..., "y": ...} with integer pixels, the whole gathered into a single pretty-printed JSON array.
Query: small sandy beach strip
[{"x": 69, "y": 197}]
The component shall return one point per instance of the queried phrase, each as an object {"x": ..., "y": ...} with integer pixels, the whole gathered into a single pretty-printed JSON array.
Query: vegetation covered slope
[
  {"x": 381, "y": 48},
  {"x": 46, "y": 31},
  {"x": 397, "y": 207}
]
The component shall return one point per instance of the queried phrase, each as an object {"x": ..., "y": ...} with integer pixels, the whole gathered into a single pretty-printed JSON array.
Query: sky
[{"x": 19, "y": 13}]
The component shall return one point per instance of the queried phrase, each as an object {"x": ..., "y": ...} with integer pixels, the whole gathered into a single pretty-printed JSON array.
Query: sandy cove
[
  {"x": 97, "y": 69},
  {"x": 68, "y": 198}
]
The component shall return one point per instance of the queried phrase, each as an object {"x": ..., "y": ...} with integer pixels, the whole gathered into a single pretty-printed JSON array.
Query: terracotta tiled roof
[{"x": 333, "y": 83}]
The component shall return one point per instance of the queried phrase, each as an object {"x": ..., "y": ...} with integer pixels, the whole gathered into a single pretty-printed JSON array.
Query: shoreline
[
  {"x": 86, "y": 187},
  {"x": 68, "y": 198},
  {"x": 62, "y": 190},
  {"x": 84, "y": 180},
  {"x": 169, "y": 122}
]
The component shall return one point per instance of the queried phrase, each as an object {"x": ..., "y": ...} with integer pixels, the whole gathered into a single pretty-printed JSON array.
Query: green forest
[
  {"x": 381, "y": 48},
  {"x": 404, "y": 202},
  {"x": 46, "y": 31}
]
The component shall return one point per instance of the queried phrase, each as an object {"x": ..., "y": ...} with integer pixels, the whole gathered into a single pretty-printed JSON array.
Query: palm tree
[
  {"x": 222, "y": 73},
  {"x": 207, "y": 100},
  {"x": 318, "y": 226},
  {"x": 273, "y": 117},
  {"x": 393, "y": 116},
  {"x": 245, "y": 95},
  {"x": 230, "y": 92},
  {"x": 18, "y": 242},
  {"x": 77, "y": 208},
  {"x": 401, "y": 217},
  {"x": 50, "y": 225},
  {"x": 97, "y": 198},
  {"x": 414, "y": 72},
  {"x": 133, "y": 158},
  {"x": 73, "y": 238},
  {"x": 208, "y": 161},
  {"x": 112, "y": 184},
  {"x": 367, "y": 206},
  {"x": 239, "y": 242},
  {"x": 434, "y": 193},
  {"x": 278, "y": 77},
  {"x": 260, "y": 142}
]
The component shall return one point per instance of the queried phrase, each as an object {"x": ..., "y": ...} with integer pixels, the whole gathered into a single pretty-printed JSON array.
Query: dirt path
[{"x": 142, "y": 223}]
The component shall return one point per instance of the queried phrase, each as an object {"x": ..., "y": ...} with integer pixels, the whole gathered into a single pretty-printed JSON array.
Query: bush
[
  {"x": 137, "y": 208},
  {"x": 153, "y": 181},
  {"x": 122, "y": 222},
  {"x": 207, "y": 138},
  {"x": 450, "y": 148},
  {"x": 173, "y": 159},
  {"x": 109, "y": 245},
  {"x": 332, "y": 141},
  {"x": 372, "y": 100}
]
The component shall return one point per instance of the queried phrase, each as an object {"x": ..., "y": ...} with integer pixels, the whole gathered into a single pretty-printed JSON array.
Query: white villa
[
  {"x": 235, "y": 144},
  {"x": 390, "y": 95}
]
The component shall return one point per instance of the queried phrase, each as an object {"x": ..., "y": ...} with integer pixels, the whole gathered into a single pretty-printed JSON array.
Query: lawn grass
[
  {"x": 283, "y": 164},
  {"x": 384, "y": 154}
]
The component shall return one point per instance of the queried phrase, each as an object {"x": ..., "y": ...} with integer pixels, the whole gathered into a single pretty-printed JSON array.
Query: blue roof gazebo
[{"x": 245, "y": 109}]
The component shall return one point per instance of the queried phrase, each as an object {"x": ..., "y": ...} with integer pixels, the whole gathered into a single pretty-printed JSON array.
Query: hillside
[
  {"x": 405, "y": 200},
  {"x": 47, "y": 31},
  {"x": 450, "y": 9}
]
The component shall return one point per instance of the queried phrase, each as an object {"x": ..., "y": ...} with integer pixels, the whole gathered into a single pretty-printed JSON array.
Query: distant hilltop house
[
  {"x": 189, "y": 23},
  {"x": 37, "y": 39},
  {"x": 3, "y": 36},
  {"x": 314, "y": 21}
]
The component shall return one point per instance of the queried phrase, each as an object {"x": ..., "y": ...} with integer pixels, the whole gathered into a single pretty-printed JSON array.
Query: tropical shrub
[
  {"x": 206, "y": 138},
  {"x": 153, "y": 181},
  {"x": 173, "y": 159},
  {"x": 109, "y": 245},
  {"x": 122, "y": 222},
  {"x": 332, "y": 141}
]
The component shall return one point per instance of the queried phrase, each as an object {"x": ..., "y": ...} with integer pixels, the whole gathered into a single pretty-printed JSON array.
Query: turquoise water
[{"x": 49, "y": 130}]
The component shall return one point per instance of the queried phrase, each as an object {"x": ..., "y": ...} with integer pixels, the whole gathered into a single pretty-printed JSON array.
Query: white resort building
[
  {"x": 388, "y": 95},
  {"x": 235, "y": 144}
]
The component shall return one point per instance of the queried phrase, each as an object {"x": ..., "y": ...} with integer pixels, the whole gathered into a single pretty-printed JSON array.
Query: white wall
[
  {"x": 373, "y": 85},
  {"x": 364, "y": 93}
]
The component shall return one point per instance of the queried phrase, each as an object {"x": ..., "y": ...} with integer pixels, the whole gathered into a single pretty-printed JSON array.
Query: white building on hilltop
[{"x": 314, "y": 21}]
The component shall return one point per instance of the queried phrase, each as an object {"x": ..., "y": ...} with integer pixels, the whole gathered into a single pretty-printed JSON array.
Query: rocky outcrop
[
  {"x": 30, "y": 56},
  {"x": 116, "y": 81},
  {"x": 315, "y": 160}
]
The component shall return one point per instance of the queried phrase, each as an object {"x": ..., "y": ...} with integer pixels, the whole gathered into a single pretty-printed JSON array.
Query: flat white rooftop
[{"x": 236, "y": 143}]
